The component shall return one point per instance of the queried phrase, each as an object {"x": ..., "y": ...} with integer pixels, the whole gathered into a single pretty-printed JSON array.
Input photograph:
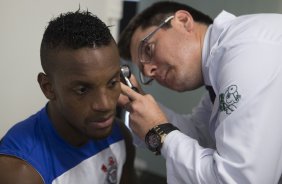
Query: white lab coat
[{"x": 242, "y": 61}]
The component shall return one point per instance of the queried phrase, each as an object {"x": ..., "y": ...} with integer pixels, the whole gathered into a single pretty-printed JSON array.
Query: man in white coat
[{"x": 239, "y": 61}]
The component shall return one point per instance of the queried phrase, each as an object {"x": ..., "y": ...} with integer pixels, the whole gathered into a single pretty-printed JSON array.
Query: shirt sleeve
[{"x": 195, "y": 125}]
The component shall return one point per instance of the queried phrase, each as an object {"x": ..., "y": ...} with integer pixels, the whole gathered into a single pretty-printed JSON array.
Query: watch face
[{"x": 153, "y": 141}]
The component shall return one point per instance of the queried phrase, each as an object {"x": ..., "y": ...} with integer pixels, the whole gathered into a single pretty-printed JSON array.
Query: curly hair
[
  {"x": 73, "y": 30},
  {"x": 153, "y": 16}
]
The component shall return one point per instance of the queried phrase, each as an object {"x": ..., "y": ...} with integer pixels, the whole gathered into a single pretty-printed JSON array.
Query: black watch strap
[
  {"x": 155, "y": 137},
  {"x": 165, "y": 128}
]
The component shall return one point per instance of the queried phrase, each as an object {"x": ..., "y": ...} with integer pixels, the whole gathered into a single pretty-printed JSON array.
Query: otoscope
[{"x": 125, "y": 75}]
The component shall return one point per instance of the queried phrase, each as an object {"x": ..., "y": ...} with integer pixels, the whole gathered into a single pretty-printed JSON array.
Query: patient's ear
[{"x": 46, "y": 86}]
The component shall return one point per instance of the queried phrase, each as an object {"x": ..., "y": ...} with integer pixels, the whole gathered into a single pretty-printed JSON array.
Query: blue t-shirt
[{"x": 36, "y": 141}]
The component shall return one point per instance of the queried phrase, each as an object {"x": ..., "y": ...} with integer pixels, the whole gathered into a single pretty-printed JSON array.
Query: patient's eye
[
  {"x": 81, "y": 90},
  {"x": 114, "y": 82}
]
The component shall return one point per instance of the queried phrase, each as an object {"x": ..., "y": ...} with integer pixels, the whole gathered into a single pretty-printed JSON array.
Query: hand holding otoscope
[
  {"x": 142, "y": 111},
  {"x": 125, "y": 74}
]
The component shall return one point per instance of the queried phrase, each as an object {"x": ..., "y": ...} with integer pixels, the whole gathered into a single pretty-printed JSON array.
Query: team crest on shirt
[
  {"x": 229, "y": 99},
  {"x": 110, "y": 169}
]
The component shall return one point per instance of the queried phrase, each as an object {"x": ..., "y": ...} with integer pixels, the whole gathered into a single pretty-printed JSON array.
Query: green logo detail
[{"x": 228, "y": 100}]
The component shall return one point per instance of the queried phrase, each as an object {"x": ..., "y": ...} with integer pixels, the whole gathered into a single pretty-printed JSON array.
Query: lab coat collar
[{"x": 212, "y": 37}]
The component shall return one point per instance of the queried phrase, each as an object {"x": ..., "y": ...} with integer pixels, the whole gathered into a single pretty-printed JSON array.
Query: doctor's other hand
[{"x": 144, "y": 111}]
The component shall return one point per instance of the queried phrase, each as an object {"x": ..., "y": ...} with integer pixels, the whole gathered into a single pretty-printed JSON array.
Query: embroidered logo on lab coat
[{"x": 229, "y": 99}]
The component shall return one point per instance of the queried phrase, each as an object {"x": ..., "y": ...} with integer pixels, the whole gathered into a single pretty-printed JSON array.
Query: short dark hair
[
  {"x": 153, "y": 16},
  {"x": 73, "y": 30}
]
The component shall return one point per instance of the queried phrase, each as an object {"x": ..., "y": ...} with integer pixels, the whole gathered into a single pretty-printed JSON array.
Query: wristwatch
[{"x": 155, "y": 136}]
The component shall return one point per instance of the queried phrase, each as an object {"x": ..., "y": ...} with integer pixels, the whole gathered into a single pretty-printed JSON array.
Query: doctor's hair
[
  {"x": 73, "y": 30},
  {"x": 153, "y": 16}
]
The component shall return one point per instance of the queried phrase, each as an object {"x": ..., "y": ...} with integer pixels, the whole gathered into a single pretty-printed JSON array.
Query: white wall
[{"x": 22, "y": 24}]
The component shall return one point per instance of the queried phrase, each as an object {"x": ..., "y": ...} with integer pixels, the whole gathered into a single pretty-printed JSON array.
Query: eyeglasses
[{"x": 145, "y": 51}]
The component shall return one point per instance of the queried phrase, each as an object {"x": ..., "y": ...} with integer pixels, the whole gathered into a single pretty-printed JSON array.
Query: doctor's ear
[
  {"x": 46, "y": 86},
  {"x": 185, "y": 19}
]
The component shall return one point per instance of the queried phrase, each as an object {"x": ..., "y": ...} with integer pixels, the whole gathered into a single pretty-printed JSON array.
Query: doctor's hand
[
  {"x": 144, "y": 111},
  {"x": 124, "y": 99}
]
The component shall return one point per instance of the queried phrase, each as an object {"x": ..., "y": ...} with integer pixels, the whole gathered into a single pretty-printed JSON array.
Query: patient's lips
[{"x": 101, "y": 123}]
